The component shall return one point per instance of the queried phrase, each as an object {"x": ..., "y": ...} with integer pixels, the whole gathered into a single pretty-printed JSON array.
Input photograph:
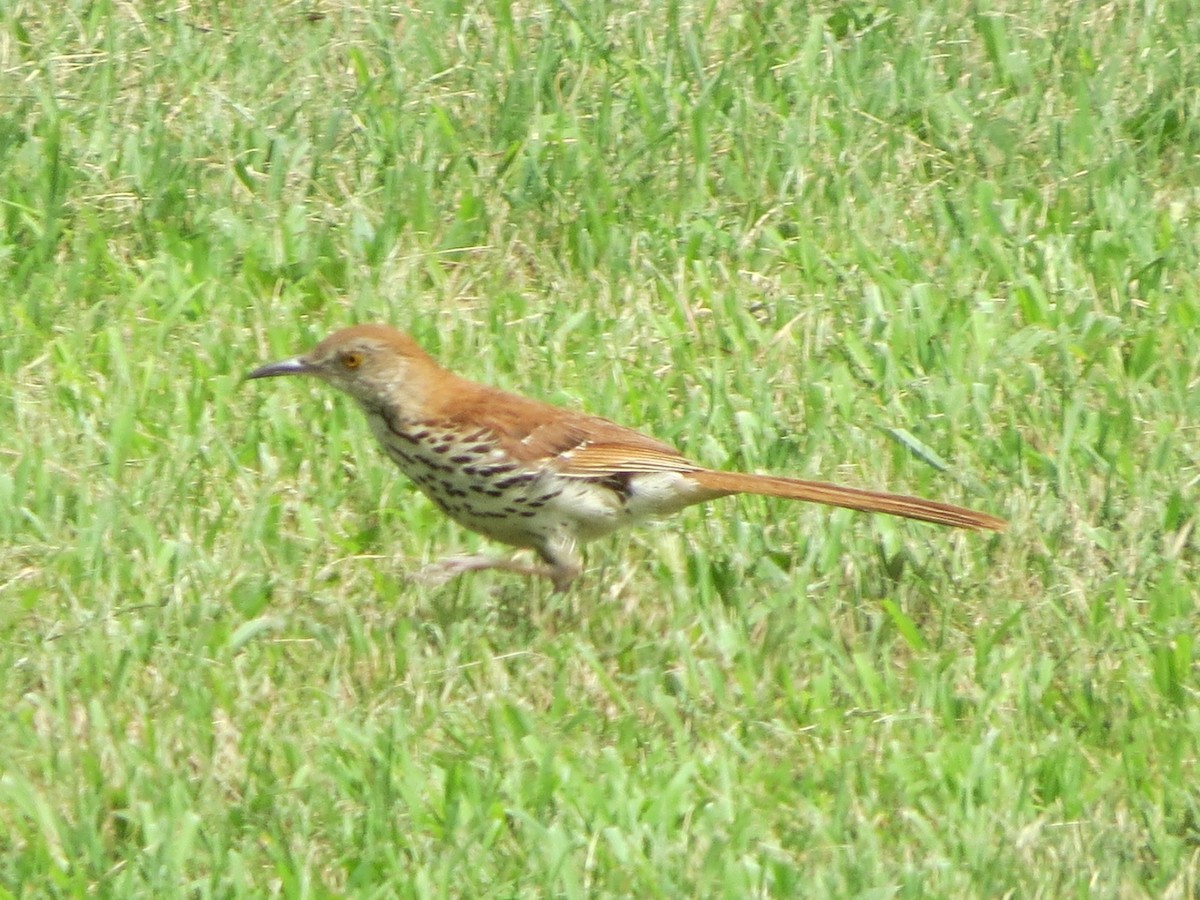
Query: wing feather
[
  {"x": 602, "y": 460},
  {"x": 578, "y": 445}
]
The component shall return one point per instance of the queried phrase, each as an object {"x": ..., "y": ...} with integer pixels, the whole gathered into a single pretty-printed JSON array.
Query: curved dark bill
[{"x": 295, "y": 366}]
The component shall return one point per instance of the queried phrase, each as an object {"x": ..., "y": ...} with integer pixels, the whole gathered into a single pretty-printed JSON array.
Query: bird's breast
[{"x": 469, "y": 477}]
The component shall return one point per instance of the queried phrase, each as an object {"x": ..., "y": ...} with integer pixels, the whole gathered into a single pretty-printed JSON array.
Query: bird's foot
[{"x": 451, "y": 567}]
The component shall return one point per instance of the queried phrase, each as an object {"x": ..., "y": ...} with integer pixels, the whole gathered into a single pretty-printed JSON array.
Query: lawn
[{"x": 939, "y": 248}]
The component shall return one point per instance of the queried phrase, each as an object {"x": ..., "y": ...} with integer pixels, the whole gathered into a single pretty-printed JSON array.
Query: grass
[{"x": 949, "y": 250}]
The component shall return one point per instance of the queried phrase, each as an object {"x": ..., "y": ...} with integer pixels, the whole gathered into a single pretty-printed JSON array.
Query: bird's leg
[{"x": 451, "y": 567}]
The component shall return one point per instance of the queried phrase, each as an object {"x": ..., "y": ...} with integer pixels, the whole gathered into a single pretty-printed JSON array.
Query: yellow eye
[{"x": 351, "y": 360}]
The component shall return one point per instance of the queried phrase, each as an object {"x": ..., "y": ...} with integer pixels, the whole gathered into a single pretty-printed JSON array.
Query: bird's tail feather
[{"x": 848, "y": 498}]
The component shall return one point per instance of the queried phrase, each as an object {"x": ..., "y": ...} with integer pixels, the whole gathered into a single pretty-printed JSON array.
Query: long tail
[{"x": 848, "y": 498}]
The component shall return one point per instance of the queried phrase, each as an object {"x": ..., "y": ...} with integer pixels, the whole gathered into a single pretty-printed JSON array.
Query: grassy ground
[{"x": 945, "y": 248}]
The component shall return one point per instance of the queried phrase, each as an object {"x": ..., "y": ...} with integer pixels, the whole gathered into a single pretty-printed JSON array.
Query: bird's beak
[{"x": 297, "y": 366}]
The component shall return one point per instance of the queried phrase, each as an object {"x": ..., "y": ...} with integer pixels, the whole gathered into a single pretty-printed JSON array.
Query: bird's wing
[
  {"x": 577, "y": 445},
  {"x": 604, "y": 459}
]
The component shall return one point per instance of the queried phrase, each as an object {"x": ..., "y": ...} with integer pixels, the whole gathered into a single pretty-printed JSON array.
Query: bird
[{"x": 536, "y": 476}]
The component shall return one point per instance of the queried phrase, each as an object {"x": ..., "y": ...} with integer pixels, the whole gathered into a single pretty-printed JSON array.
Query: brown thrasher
[{"x": 532, "y": 475}]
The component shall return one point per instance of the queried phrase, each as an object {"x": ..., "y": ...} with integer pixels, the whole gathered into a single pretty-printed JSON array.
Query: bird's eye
[{"x": 351, "y": 360}]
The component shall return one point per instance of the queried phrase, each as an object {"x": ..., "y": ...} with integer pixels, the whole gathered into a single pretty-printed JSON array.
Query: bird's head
[{"x": 376, "y": 365}]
